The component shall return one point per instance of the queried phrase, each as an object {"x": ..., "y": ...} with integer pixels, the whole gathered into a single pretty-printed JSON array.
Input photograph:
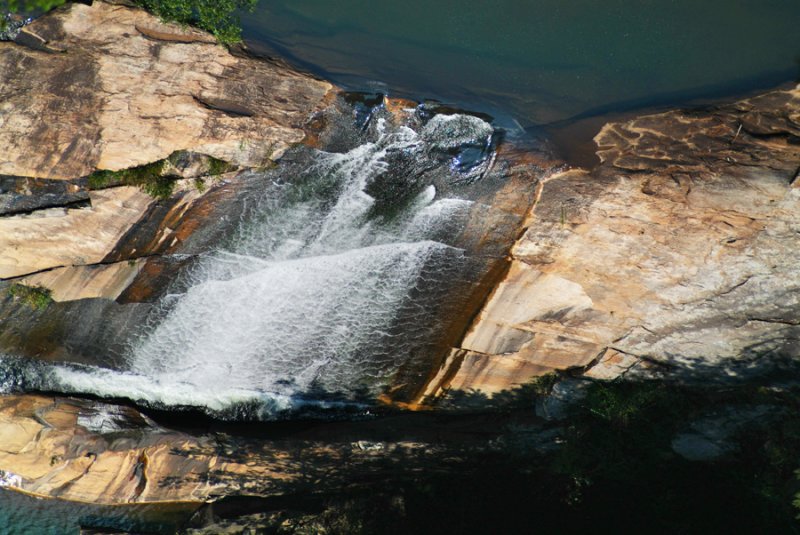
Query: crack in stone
[
  {"x": 793, "y": 323},
  {"x": 94, "y": 264}
]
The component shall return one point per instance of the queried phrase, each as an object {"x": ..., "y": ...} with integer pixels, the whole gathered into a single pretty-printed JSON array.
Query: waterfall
[{"x": 322, "y": 288}]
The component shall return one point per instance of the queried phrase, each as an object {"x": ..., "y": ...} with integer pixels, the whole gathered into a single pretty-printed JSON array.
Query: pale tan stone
[
  {"x": 130, "y": 90},
  {"x": 57, "y": 447},
  {"x": 69, "y": 237},
  {"x": 679, "y": 249},
  {"x": 612, "y": 365},
  {"x": 85, "y": 282}
]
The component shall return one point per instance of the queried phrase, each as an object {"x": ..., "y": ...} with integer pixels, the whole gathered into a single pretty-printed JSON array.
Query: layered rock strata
[
  {"x": 678, "y": 253},
  {"x": 108, "y": 454},
  {"x": 108, "y": 87},
  {"x": 105, "y": 86}
]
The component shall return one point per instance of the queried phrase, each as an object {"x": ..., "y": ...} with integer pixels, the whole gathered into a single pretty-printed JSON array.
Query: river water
[
  {"x": 28, "y": 515},
  {"x": 539, "y": 61}
]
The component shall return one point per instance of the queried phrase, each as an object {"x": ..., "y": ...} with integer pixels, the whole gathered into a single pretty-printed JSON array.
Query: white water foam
[{"x": 304, "y": 298}]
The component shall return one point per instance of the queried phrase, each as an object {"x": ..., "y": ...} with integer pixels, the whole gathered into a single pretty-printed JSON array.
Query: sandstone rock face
[
  {"x": 110, "y": 87},
  {"x": 58, "y": 237},
  {"x": 678, "y": 254},
  {"x": 105, "y": 281},
  {"x": 99, "y": 453},
  {"x": 108, "y": 454}
]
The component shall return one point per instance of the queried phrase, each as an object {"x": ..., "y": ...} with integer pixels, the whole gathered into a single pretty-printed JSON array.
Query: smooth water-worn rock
[
  {"x": 676, "y": 255},
  {"x": 69, "y": 236},
  {"x": 97, "y": 453},
  {"x": 103, "y": 453},
  {"x": 424, "y": 185},
  {"x": 106, "y": 86}
]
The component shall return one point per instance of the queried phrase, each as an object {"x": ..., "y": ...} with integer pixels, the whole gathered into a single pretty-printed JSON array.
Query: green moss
[
  {"x": 217, "y": 167},
  {"x": 147, "y": 177},
  {"x": 543, "y": 385},
  {"x": 620, "y": 404},
  {"x": 160, "y": 187},
  {"x": 215, "y": 16},
  {"x": 36, "y": 297},
  {"x": 15, "y": 6}
]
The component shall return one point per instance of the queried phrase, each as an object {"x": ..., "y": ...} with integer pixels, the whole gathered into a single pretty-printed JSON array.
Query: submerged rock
[{"x": 10, "y": 26}]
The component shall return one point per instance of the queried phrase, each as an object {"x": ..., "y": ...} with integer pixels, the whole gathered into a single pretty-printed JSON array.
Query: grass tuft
[{"x": 217, "y": 17}]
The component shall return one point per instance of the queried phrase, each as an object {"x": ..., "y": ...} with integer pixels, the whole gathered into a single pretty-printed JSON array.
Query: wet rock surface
[
  {"x": 675, "y": 257},
  {"x": 91, "y": 451},
  {"x": 111, "y": 283},
  {"x": 105, "y": 86}
]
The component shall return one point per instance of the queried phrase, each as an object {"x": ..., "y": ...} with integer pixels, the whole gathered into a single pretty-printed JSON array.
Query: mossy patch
[
  {"x": 148, "y": 177},
  {"x": 36, "y": 297},
  {"x": 217, "y": 167},
  {"x": 217, "y": 17}
]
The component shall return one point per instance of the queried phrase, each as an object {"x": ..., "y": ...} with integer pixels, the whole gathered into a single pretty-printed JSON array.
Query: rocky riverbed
[{"x": 673, "y": 259}]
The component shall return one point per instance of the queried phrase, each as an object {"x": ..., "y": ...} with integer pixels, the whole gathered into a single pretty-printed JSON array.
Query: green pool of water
[
  {"x": 26, "y": 515},
  {"x": 539, "y": 61}
]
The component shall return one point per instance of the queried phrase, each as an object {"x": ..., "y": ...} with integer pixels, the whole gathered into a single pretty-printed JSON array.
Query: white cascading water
[{"x": 304, "y": 297}]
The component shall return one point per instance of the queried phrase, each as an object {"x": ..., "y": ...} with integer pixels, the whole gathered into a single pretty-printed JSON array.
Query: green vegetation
[
  {"x": 543, "y": 385},
  {"x": 609, "y": 467},
  {"x": 15, "y": 6},
  {"x": 36, "y": 297},
  {"x": 619, "y": 405},
  {"x": 217, "y": 167},
  {"x": 215, "y": 16},
  {"x": 157, "y": 179},
  {"x": 613, "y": 467},
  {"x": 148, "y": 177}
]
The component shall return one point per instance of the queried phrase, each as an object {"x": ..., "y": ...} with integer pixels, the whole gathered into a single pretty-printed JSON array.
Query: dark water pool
[
  {"x": 539, "y": 61},
  {"x": 25, "y": 515}
]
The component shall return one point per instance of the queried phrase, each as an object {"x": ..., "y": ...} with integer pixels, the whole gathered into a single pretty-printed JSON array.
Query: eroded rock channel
[{"x": 201, "y": 232}]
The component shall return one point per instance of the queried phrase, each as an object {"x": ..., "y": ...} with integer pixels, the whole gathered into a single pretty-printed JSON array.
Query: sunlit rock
[
  {"x": 675, "y": 256},
  {"x": 121, "y": 89}
]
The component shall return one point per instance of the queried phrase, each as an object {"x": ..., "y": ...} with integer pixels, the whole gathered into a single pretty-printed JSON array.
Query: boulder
[{"x": 110, "y": 87}]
